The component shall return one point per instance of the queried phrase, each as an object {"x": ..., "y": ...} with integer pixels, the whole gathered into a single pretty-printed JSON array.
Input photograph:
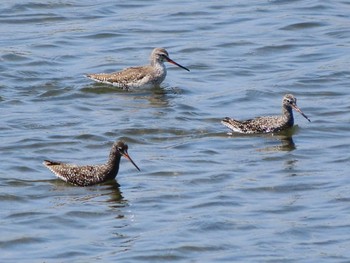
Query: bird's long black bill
[
  {"x": 129, "y": 158},
  {"x": 302, "y": 113},
  {"x": 173, "y": 62}
]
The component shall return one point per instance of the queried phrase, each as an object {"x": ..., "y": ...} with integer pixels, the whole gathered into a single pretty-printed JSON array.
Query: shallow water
[{"x": 202, "y": 195}]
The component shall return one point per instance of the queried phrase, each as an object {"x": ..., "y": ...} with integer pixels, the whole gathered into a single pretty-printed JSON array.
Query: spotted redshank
[
  {"x": 139, "y": 77},
  {"x": 86, "y": 175},
  {"x": 268, "y": 124}
]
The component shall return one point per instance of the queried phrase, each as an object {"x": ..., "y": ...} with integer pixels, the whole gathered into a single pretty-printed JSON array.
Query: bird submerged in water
[
  {"x": 147, "y": 76},
  {"x": 267, "y": 124},
  {"x": 86, "y": 175}
]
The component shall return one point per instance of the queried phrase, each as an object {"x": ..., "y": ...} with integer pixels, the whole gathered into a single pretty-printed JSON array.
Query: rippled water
[{"x": 202, "y": 195}]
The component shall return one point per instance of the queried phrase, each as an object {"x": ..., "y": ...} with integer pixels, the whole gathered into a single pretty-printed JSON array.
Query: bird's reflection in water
[
  {"x": 290, "y": 167},
  {"x": 90, "y": 193},
  {"x": 284, "y": 139},
  {"x": 114, "y": 193},
  {"x": 286, "y": 143},
  {"x": 158, "y": 97}
]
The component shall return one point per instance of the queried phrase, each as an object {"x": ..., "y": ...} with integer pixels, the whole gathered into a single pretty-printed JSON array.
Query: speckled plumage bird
[
  {"x": 139, "y": 77},
  {"x": 85, "y": 175},
  {"x": 267, "y": 124}
]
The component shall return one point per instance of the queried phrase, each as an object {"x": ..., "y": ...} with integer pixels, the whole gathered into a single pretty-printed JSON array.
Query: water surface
[{"x": 202, "y": 195}]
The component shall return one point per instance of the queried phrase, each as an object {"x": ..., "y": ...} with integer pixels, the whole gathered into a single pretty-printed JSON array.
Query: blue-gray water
[{"x": 201, "y": 195}]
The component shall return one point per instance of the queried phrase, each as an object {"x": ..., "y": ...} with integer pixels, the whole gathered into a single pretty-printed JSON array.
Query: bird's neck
[
  {"x": 287, "y": 113},
  {"x": 159, "y": 72},
  {"x": 159, "y": 66},
  {"x": 113, "y": 163}
]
